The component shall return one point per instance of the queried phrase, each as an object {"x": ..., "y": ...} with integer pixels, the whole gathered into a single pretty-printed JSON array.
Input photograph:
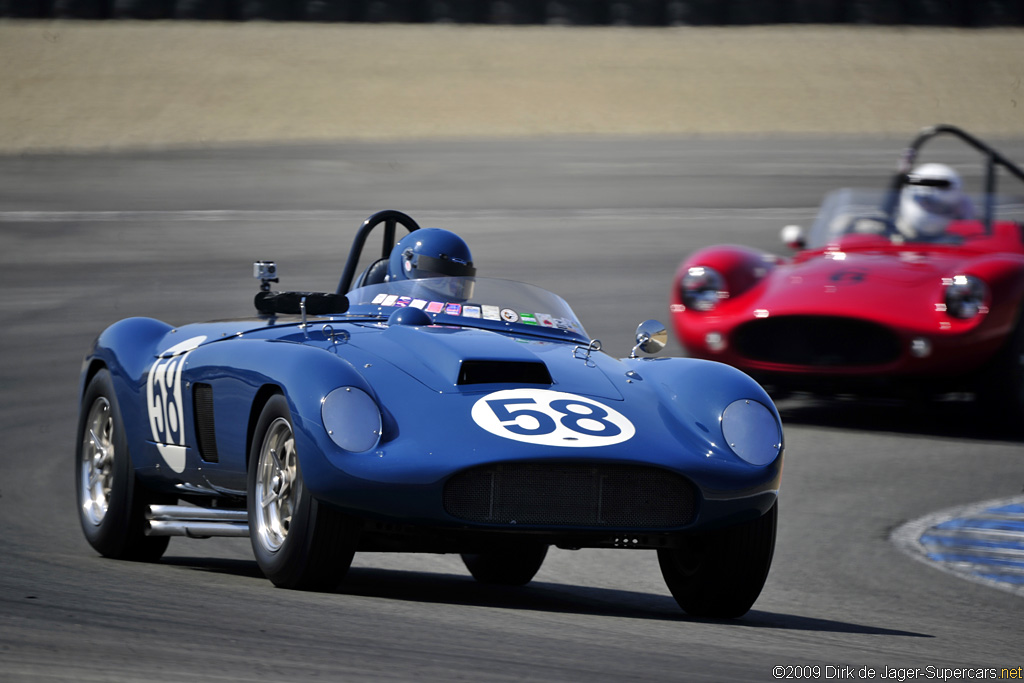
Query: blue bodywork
[{"x": 420, "y": 382}]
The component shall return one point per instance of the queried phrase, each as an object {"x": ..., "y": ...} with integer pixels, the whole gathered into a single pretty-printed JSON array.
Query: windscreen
[
  {"x": 876, "y": 212},
  {"x": 501, "y": 305}
]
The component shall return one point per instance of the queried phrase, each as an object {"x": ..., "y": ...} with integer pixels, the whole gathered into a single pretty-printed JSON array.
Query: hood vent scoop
[{"x": 503, "y": 372}]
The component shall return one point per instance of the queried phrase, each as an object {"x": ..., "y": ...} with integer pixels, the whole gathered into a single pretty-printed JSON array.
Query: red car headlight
[
  {"x": 701, "y": 288},
  {"x": 966, "y": 296}
]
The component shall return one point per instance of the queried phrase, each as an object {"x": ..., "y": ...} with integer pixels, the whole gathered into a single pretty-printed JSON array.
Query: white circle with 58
[{"x": 551, "y": 418}]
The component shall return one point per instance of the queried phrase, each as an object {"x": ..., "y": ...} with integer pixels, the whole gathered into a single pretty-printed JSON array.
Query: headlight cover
[
  {"x": 752, "y": 431},
  {"x": 701, "y": 288},
  {"x": 352, "y": 419},
  {"x": 966, "y": 296}
]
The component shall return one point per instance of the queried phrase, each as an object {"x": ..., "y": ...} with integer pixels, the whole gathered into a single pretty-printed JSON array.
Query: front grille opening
[
  {"x": 574, "y": 495},
  {"x": 817, "y": 341},
  {"x": 503, "y": 372}
]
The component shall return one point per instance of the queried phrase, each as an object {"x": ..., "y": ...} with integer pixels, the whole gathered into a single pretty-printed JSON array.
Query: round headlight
[
  {"x": 966, "y": 296},
  {"x": 352, "y": 419},
  {"x": 701, "y": 288},
  {"x": 752, "y": 431}
]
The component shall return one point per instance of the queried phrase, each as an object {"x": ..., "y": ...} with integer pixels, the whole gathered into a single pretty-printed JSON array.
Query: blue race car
[{"x": 420, "y": 408}]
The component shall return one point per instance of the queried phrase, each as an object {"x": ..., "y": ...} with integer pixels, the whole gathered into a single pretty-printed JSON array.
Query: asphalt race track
[{"x": 90, "y": 239}]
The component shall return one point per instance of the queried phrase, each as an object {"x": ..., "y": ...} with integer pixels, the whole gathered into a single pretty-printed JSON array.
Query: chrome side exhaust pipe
[{"x": 196, "y": 522}]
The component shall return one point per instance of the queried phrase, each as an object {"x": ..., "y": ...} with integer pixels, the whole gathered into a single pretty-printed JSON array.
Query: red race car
[{"x": 915, "y": 289}]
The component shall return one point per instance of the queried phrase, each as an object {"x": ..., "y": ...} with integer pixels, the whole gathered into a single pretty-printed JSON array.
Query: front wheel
[
  {"x": 111, "y": 503},
  {"x": 1001, "y": 390},
  {"x": 514, "y": 566},
  {"x": 298, "y": 542},
  {"x": 719, "y": 574}
]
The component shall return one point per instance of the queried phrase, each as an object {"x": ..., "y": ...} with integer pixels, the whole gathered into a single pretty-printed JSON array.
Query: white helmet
[{"x": 932, "y": 197}]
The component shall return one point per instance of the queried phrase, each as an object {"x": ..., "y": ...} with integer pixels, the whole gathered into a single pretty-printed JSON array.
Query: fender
[
  {"x": 1004, "y": 275},
  {"x": 127, "y": 349},
  {"x": 677, "y": 379},
  {"x": 742, "y": 267}
]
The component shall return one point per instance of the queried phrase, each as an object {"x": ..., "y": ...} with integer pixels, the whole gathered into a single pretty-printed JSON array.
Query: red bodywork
[{"x": 865, "y": 310}]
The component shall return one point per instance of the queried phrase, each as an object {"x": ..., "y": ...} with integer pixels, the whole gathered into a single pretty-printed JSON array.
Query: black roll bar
[
  {"x": 992, "y": 160},
  {"x": 390, "y": 218}
]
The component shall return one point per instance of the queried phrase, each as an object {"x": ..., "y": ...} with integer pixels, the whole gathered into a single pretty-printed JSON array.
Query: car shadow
[
  {"x": 215, "y": 565},
  {"x": 539, "y": 596},
  {"x": 955, "y": 417},
  {"x": 558, "y": 597}
]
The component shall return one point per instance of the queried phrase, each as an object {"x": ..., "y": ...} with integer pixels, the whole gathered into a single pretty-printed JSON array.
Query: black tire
[
  {"x": 298, "y": 542},
  {"x": 111, "y": 503},
  {"x": 1001, "y": 391},
  {"x": 515, "y": 566},
  {"x": 719, "y": 574}
]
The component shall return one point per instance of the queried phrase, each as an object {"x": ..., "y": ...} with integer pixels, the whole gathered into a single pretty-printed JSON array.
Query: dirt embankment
[{"x": 82, "y": 85}]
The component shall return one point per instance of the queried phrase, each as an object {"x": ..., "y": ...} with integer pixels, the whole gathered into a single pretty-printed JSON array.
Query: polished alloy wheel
[
  {"x": 96, "y": 469},
  {"x": 276, "y": 479}
]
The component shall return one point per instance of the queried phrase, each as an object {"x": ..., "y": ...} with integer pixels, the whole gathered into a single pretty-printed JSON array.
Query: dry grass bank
[{"x": 77, "y": 85}]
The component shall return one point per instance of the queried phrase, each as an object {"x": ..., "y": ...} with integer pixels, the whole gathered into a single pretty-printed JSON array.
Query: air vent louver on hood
[{"x": 503, "y": 372}]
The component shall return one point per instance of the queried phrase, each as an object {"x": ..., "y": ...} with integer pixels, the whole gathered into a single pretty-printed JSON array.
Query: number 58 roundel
[{"x": 551, "y": 418}]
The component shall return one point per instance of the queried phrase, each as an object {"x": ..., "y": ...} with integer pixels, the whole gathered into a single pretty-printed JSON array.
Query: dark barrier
[
  {"x": 59, "y": 9},
  {"x": 968, "y": 13}
]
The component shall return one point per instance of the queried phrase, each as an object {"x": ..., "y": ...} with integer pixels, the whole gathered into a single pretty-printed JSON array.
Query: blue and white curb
[{"x": 983, "y": 542}]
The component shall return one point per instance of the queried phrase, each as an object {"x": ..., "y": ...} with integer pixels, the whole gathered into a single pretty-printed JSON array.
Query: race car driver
[
  {"x": 430, "y": 252},
  {"x": 932, "y": 197}
]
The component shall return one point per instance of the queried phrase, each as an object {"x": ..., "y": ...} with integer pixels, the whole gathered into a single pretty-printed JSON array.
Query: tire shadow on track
[
  {"x": 955, "y": 418},
  {"x": 538, "y": 596}
]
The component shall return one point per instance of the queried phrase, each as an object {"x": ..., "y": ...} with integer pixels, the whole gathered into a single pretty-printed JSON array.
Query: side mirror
[
  {"x": 793, "y": 237},
  {"x": 651, "y": 337}
]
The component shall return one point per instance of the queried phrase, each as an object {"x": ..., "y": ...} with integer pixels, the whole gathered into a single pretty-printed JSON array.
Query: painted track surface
[
  {"x": 983, "y": 542},
  {"x": 91, "y": 239}
]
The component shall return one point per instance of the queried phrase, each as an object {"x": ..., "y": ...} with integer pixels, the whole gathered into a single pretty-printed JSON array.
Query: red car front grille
[{"x": 816, "y": 341}]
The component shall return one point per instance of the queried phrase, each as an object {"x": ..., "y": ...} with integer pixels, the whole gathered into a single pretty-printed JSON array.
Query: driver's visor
[
  {"x": 427, "y": 266},
  {"x": 941, "y": 183}
]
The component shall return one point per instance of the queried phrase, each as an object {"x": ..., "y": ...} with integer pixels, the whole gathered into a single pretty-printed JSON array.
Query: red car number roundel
[{"x": 551, "y": 418}]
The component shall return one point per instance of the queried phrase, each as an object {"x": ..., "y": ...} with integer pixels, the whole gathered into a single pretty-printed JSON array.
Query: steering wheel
[{"x": 390, "y": 218}]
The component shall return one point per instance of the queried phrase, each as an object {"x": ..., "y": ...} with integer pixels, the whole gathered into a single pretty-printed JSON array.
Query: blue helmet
[{"x": 430, "y": 252}]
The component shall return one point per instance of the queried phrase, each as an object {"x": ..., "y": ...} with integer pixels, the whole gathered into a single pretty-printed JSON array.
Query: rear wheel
[
  {"x": 298, "y": 542},
  {"x": 515, "y": 566},
  {"x": 719, "y": 574},
  {"x": 111, "y": 503}
]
